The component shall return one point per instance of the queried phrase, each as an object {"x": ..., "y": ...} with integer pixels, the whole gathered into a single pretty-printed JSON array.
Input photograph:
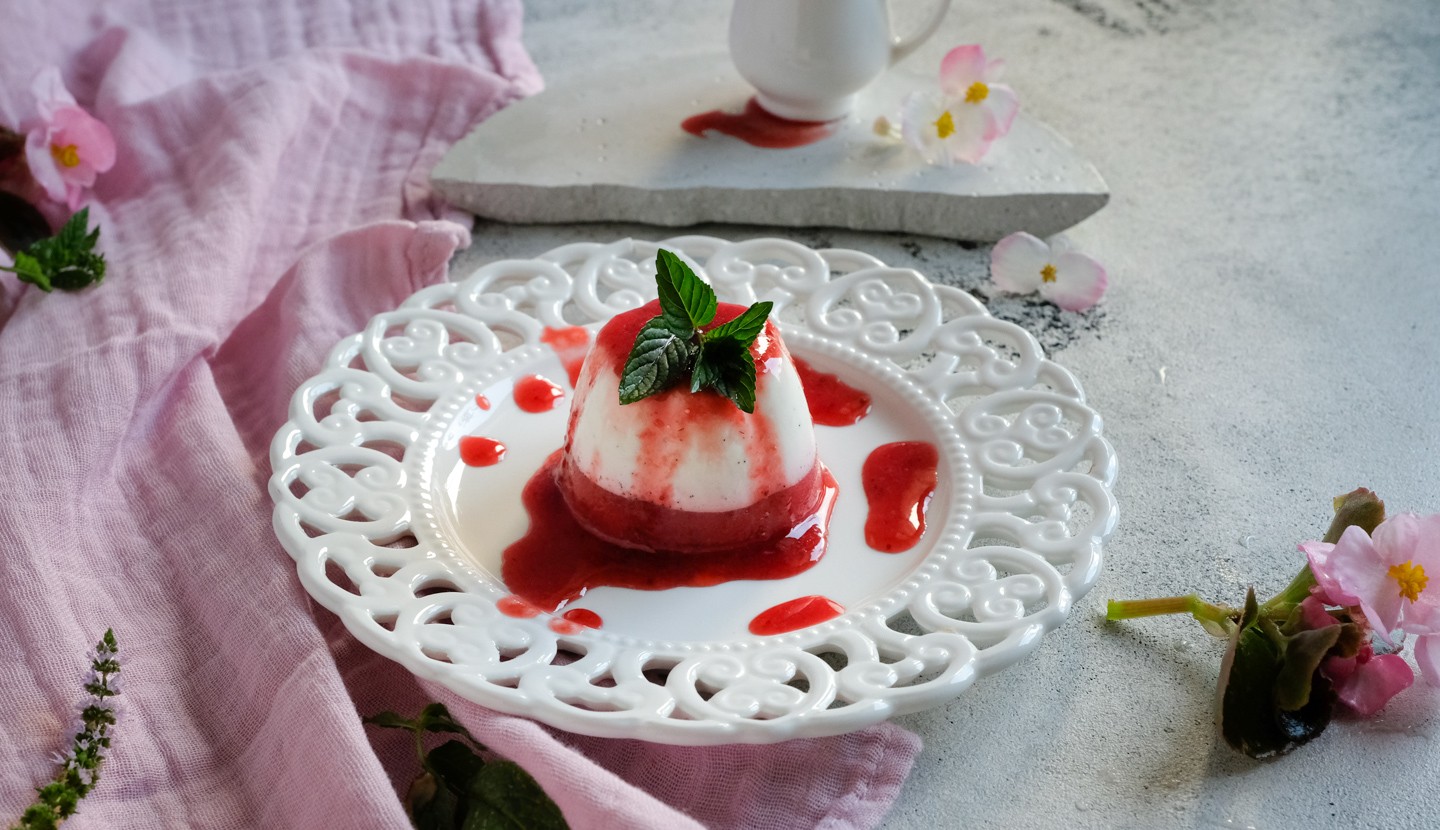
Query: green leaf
[
  {"x": 727, "y": 367},
  {"x": 434, "y": 807},
  {"x": 744, "y": 328},
  {"x": 660, "y": 357},
  {"x": 506, "y": 797},
  {"x": 1252, "y": 719},
  {"x": 685, "y": 299},
  {"x": 66, "y": 260}
]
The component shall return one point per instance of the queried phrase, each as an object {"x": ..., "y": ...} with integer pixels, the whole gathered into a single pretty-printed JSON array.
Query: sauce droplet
[
  {"x": 832, "y": 401},
  {"x": 481, "y": 452},
  {"x": 794, "y": 615},
  {"x": 758, "y": 127},
  {"x": 571, "y": 344},
  {"x": 513, "y": 606},
  {"x": 899, "y": 480},
  {"x": 482, "y": 401},
  {"x": 583, "y": 616},
  {"x": 534, "y": 393}
]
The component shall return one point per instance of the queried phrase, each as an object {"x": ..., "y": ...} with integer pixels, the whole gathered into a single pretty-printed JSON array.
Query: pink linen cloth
[{"x": 269, "y": 155}]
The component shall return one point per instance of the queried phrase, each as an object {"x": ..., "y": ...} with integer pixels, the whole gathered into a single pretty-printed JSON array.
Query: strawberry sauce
[
  {"x": 832, "y": 401},
  {"x": 476, "y": 451},
  {"x": 482, "y": 401},
  {"x": 758, "y": 127},
  {"x": 571, "y": 344},
  {"x": 899, "y": 480},
  {"x": 794, "y": 615},
  {"x": 534, "y": 393},
  {"x": 557, "y": 561}
]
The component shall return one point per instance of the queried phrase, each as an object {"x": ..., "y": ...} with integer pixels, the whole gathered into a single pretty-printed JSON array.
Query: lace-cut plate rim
[{"x": 393, "y": 533}]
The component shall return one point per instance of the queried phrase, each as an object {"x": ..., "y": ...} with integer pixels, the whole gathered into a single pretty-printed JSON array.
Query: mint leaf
[
  {"x": 66, "y": 260},
  {"x": 661, "y": 355},
  {"x": 744, "y": 328},
  {"x": 684, "y": 298},
  {"x": 726, "y": 366},
  {"x": 504, "y": 796}
]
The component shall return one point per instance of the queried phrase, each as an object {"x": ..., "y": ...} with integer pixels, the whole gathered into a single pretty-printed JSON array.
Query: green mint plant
[
  {"x": 80, "y": 765},
  {"x": 459, "y": 790},
  {"x": 675, "y": 343},
  {"x": 67, "y": 260}
]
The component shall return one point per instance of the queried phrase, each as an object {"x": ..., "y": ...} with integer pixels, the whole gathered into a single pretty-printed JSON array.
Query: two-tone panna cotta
[{"x": 689, "y": 472}]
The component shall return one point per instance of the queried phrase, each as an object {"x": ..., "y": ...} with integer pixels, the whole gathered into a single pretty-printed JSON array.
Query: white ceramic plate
[{"x": 403, "y": 541}]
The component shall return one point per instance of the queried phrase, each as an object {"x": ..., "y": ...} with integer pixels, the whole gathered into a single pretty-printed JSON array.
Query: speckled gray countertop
[{"x": 1271, "y": 339}]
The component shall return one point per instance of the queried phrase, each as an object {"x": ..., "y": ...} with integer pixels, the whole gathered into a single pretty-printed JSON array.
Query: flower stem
[{"x": 1190, "y": 604}]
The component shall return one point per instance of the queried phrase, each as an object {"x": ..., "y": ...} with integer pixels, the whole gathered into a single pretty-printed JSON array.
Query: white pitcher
[{"x": 808, "y": 58}]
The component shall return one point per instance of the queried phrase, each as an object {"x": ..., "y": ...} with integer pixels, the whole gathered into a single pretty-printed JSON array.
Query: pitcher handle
[{"x": 900, "y": 47}]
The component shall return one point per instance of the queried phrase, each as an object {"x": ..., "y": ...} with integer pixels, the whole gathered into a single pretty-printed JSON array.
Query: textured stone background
[{"x": 1270, "y": 340}]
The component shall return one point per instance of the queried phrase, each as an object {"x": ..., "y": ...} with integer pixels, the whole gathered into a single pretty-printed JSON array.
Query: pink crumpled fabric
[{"x": 269, "y": 197}]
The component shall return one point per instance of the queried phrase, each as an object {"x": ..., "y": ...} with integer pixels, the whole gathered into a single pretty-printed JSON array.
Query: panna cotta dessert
[{"x": 687, "y": 471}]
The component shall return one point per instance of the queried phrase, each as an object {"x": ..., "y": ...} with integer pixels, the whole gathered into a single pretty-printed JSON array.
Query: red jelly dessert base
[
  {"x": 832, "y": 401},
  {"x": 645, "y": 525},
  {"x": 557, "y": 561},
  {"x": 758, "y": 127},
  {"x": 899, "y": 480}
]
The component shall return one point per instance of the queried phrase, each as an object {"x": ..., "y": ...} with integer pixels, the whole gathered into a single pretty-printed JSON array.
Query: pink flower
[
  {"x": 966, "y": 116},
  {"x": 1021, "y": 264},
  {"x": 1365, "y": 682},
  {"x": 67, "y": 146},
  {"x": 1388, "y": 576}
]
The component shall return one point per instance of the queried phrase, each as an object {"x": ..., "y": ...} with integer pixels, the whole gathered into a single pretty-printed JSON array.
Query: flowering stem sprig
[
  {"x": 1292, "y": 658},
  {"x": 80, "y": 766}
]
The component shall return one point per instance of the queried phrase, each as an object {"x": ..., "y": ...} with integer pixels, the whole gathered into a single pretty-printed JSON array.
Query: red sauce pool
[
  {"x": 899, "y": 480},
  {"x": 571, "y": 344},
  {"x": 557, "y": 561},
  {"x": 481, "y": 452},
  {"x": 534, "y": 393},
  {"x": 832, "y": 401},
  {"x": 758, "y": 127},
  {"x": 794, "y": 615}
]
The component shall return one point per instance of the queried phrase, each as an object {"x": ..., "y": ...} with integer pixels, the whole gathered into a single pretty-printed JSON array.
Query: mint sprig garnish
[
  {"x": 458, "y": 789},
  {"x": 673, "y": 342},
  {"x": 66, "y": 260}
]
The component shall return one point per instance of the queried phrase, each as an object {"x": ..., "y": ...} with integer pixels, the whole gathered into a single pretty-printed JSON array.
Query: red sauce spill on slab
[
  {"x": 833, "y": 402},
  {"x": 558, "y": 561},
  {"x": 481, "y": 452},
  {"x": 537, "y": 394},
  {"x": 794, "y": 615},
  {"x": 758, "y": 127},
  {"x": 571, "y": 344},
  {"x": 513, "y": 606},
  {"x": 899, "y": 480},
  {"x": 482, "y": 401}
]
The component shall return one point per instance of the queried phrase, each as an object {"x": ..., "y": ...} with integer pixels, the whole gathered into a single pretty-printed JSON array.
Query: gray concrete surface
[{"x": 1271, "y": 339}]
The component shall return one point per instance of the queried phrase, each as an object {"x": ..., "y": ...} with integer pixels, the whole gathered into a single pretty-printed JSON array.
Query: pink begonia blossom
[
  {"x": 1388, "y": 576},
  {"x": 66, "y": 147},
  {"x": 1021, "y": 264},
  {"x": 966, "y": 116},
  {"x": 1365, "y": 682}
]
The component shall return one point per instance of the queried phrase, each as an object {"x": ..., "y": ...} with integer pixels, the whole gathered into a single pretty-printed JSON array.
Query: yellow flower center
[
  {"x": 67, "y": 156},
  {"x": 945, "y": 125},
  {"x": 1047, "y": 274},
  {"x": 977, "y": 92},
  {"x": 1411, "y": 579}
]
